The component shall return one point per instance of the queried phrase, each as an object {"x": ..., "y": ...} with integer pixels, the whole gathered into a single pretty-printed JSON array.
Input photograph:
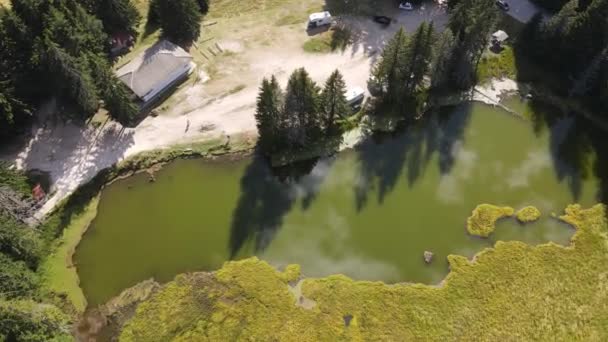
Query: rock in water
[{"x": 428, "y": 257}]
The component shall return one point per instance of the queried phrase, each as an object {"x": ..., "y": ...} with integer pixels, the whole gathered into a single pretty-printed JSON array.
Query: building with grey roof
[{"x": 155, "y": 71}]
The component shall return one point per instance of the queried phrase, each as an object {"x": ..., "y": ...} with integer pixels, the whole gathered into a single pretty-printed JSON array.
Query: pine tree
[
  {"x": 472, "y": 22},
  {"x": 118, "y": 16},
  {"x": 180, "y": 21},
  {"x": 302, "y": 108},
  {"x": 75, "y": 30},
  {"x": 268, "y": 115},
  {"x": 442, "y": 58},
  {"x": 388, "y": 71},
  {"x": 116, "y": 96},
  {"x": 12, "y": 109},
  {"x": 418, "y": 57},
  {"x": 72, "y": 79},
  {"x": 333, "y": 101},
  {"x": 590, "y": 75}
]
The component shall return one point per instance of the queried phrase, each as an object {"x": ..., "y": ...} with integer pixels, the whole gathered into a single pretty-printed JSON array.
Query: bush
[
  {"x": 19, "y": 241},
  {"x": 26, "y": 320},
  {"x": 16, "y": 279},
  {"x": 13, "y": 179}
]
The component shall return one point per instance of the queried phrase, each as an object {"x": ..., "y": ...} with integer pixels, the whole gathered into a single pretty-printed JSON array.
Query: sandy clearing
[{"x": 206, "y": 110}]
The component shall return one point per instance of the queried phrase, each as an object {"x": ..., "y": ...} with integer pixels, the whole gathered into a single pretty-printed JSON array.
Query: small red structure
[
  {"x": 120, "y": 43},
  {"x": 38, "y": 193}
]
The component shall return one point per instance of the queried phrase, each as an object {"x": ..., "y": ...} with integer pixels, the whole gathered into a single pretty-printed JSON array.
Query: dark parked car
[
  {"x": 381, "y": 19},
  {"x": 502, "y": 4}
]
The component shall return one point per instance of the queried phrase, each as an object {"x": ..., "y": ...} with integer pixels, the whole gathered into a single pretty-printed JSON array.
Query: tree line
[
  {"x": 449, "y": 59},
  {"x": 25, "y": 311},
  {"x": 573, "y": 44},
  {"x": 303, "y": 114},
  {"x": 61, "y": 49}
]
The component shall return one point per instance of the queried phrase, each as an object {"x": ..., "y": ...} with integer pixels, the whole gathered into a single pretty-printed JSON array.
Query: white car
[
  {"x": 355, "y": 96},
  {"x": 319, "y": 19},
  {"x": 407, "y": 6}
]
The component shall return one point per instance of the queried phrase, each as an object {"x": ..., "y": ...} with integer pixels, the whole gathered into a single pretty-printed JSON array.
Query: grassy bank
[
  {"x": 57, "y": 270},
  {"x": 497, "y": 65},
  {"x": 512, "y": 291}
]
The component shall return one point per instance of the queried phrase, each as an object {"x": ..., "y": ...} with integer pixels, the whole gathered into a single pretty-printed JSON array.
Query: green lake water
[{"x": 369, "y": 213}]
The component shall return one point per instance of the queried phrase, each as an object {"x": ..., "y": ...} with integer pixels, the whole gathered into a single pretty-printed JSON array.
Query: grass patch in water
[
  {"x": 483, "y": 220},
  {"x": 512, "y": 291},
  {"x": 528, "y": 214},
  {"x": 58, "y": 273}
]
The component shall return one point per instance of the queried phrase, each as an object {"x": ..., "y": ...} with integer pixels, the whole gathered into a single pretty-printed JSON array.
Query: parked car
[
  {"x": 376, "y": 87},
  {"x": 502, "y": 4},
  {"x": 354, "y": 97},
  {"x": 319, "y": 19},
  {"x": 407, "y": 6},
  {"x": 381, "y": 19}
]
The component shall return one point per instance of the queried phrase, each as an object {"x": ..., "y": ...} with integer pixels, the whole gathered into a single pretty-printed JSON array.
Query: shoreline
[
  {"x": 76, "y": 173},
  {"x": 120, "y": 316}
]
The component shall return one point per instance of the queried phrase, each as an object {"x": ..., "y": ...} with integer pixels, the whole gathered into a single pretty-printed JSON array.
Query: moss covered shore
[{"x": 513, "y": 291}]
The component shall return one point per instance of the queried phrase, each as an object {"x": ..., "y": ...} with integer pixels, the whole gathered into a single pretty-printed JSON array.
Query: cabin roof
[{"x": 153, "y": 66}]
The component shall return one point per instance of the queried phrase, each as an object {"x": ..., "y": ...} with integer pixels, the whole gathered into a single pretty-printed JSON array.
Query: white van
[
  {"x": 355, "y": 96},
  {"x": 319, "y": 19}
]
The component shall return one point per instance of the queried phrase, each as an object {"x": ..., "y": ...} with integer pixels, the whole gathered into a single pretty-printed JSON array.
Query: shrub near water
[
  {"x": 513, "y": 291},
  {"x": 483, "y": 220},
  {"x": 528, "y": 214}
]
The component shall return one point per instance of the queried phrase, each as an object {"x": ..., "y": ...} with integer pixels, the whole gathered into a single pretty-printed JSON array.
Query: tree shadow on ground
[
  {"x": 268, "y": 194},
  {"x": 384, "y": 157},
  {"x": 369, "y": 37}
]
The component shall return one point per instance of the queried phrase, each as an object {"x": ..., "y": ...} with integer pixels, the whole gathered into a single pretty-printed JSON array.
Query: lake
[{"x": 369, "y": 213}]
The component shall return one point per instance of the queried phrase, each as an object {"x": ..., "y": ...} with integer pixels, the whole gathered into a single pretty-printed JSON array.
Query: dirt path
[{"x": 205, "y": 110}]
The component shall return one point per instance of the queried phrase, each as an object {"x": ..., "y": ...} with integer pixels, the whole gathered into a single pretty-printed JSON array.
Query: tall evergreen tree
[
  {"x": 472, "y": 22},
  {"x": 301, "y": 108},
  {"x": 268, "y": 115},
  {"x": 118, "y": 16},
  {"x": 72, "y": 79},
  {"x": 116, "y": 96},
  {"x": 388, "y": 71},
  {"x": 12, "y": 110},
  {"x": 442, "y": 59},
  {"x": 333, "y": 102},
  {"x": 180, "y": 21},
  {"x": 418, "y": 57}
]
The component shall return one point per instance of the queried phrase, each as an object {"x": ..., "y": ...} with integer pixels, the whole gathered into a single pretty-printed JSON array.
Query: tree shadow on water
[
  {"x": 268, "y": 194},
  {"x": 385, "y": 156},
  {"x": 577, "y": 146}
]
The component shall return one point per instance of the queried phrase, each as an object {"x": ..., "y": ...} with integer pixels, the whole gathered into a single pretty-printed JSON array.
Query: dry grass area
[{"x": 513, "y": 292}]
